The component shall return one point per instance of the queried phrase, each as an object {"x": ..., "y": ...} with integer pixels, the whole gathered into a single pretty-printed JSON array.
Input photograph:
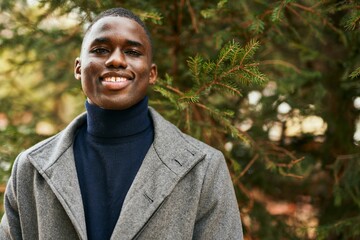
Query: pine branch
[
  {"x": 231, "y": 51},
  {"x": 281, "y": 63},
  {"x": 195, "y": 67},
  {"x": 232, "y": 89},
  {"x": 355, "y": 73},
  {"x": 225, "y": 52},
  {"x": 193, "y": 16},
  {"x": 224, "y": 121},
  {"x": 176, "y": 90},
  {"x": 351, "y": 21},
  {"x": 155, "y": 17},
  {"x": 250, "y": 49},
  {"x": 278, "y": 11},
  {"x": 232, "y": 67},
  {"x": 256, "y": 75}
]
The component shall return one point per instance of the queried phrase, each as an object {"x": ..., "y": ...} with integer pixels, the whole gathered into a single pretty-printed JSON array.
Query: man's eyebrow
[
  {"x": 129, "y": 42},
  {"x": 134, "y": 43},
  {"x": 101, "y": 40}
]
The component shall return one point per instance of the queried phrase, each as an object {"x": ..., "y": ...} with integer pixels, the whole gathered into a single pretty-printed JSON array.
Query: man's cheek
[{"x": 92, "y": 70}]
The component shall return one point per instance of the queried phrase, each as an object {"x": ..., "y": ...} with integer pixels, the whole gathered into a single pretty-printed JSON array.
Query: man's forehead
[
  {"x": 116, "y": 23},
  {"x": 117, "y": 26}
]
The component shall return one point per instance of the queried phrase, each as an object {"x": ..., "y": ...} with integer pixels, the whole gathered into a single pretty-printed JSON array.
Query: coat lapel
[
  {"x": 168, "y": 160},
  {"x": 56, "y": 164}
]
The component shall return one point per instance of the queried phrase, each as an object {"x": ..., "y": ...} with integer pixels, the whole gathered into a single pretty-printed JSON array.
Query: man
[{"x": 119, "y": 171}]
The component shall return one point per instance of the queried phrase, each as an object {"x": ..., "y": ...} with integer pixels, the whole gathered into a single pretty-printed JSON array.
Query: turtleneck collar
[{"x": 117, "y": 123}]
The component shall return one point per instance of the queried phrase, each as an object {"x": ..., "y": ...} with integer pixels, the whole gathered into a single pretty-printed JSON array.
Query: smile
[
  {"x": 115, "y": 79},
  {"x": 115, "y": 83}
]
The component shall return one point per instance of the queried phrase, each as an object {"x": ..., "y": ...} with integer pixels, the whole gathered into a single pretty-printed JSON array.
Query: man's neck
[{"x": 117, "y": 123}]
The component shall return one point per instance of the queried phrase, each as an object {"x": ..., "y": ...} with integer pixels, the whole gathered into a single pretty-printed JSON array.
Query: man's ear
[
  {"x": 77, "y": 69},
  {"x": 153, "y": 74}
]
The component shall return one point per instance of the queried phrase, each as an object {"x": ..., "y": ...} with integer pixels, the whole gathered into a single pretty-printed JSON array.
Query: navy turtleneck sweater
[{"x": 109, "y": 150}]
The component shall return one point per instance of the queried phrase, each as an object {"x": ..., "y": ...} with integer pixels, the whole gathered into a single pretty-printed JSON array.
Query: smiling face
[{"x": 115, "y": 65}]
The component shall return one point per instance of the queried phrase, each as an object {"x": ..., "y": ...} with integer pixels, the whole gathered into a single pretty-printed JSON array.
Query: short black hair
[{"x": 121, "y": 12}]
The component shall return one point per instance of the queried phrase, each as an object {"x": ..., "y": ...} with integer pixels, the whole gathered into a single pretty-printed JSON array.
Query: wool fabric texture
[
  {"x": 109, "y": 150},
  {"x": 183, "y": 190}
]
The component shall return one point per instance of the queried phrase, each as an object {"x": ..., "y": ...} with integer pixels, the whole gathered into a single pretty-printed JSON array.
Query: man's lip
[{"x": 115, "y": 86}]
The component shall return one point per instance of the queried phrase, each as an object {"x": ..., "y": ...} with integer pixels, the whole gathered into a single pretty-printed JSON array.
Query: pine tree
[{"x": 211, "y": 56}]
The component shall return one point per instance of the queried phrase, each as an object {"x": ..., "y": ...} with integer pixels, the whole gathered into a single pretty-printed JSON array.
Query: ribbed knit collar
[{"x": 117, "y": 123}]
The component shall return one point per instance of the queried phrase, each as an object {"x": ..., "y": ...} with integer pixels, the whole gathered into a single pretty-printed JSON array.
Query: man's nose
[{"x": 116, "y": 60}]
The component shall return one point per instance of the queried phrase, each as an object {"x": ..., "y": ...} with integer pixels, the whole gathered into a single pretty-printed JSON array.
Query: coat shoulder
[
  {"x": 48, "y": 149},
  {"x": 173, "y": 137}
]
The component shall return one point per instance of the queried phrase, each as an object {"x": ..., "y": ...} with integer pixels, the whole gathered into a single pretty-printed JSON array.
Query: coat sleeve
[
  {"x": 218, "y": 214},
  {"x": 10, "y": 227}
]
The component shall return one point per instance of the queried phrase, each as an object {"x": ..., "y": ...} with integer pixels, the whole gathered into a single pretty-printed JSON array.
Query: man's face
[{"x": 115, "y": 65}]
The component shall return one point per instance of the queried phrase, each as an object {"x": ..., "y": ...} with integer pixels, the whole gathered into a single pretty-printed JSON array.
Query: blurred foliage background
[{"x": 273, "y": 84}]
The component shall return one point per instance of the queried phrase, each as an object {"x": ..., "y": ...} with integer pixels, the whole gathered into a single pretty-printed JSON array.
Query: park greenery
[{"x": 275, "y": 85}]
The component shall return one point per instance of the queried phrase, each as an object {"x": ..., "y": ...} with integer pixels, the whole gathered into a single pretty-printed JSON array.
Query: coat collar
[{"x": 168, "y": 160}]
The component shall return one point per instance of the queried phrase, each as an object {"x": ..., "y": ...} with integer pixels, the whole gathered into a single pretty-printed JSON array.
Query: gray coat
[{"x": 182, "y": 191}]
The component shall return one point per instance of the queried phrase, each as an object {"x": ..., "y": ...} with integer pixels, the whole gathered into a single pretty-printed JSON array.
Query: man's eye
[
  {"x": 99, "y": 50},
  {"x": 133, "y": 53}
]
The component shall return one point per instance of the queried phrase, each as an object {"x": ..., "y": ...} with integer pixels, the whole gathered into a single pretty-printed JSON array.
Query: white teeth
[{"x": 115, "y": 79}]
